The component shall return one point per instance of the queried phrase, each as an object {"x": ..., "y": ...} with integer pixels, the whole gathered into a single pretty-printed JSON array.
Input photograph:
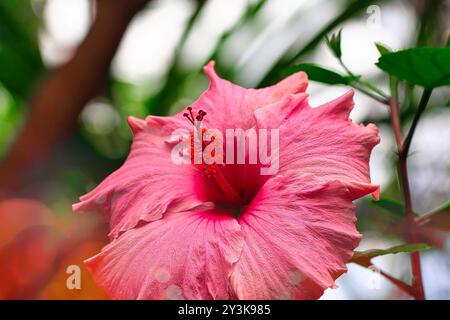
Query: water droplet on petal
[
  {"x": 174, "y": 292},
  {"x": 295, "y": 277},
  {"x": 283, "y": 296},
  {"x": 162, "y": 275},
  {"x": 114, "y": 198},
  {"x": 100, "y": 200}
]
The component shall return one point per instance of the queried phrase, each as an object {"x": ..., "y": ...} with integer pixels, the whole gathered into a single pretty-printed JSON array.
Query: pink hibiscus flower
[{"x": 199, "y": 231}]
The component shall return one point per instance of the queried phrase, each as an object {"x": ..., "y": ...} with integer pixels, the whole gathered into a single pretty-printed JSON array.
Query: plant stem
[
  {"x": 395, "y": 122},
  {"x": 398, "y": 283},
  {"x": 417, "y": 282},
  {"x": 422, "y": 105},
  {"x": 368, "y": 89},
  {"x": 412, "y": 230},
  {"x": 373, "y": 88},
  {"x": 363, "y": 85},
  {"x": 369, "y": 94},
  {"x": 403, "y": 149}
]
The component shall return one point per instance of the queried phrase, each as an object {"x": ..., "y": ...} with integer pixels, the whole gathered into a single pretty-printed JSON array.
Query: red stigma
[{"x": 190, "y": 116}]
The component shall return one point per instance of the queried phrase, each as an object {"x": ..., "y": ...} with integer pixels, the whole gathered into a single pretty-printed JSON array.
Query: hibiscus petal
[
  {"x": 323, "y": 141},
  {"x": 149, "y": 184},
  {"x": 299, "y": 232},
  {"x": 228, "y": 104},
  {"x": 186, "y": 255}
]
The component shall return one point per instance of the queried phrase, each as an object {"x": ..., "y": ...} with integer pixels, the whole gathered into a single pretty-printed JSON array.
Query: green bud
[{"x": 334, "y": 43}]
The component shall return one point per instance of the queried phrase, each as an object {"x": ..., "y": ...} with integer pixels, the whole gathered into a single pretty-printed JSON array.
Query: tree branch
[{"x": 55, "y": 108}]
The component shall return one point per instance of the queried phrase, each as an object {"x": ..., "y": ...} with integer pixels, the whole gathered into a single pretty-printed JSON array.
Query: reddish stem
[
  {"x": 398, "y": 283},
  {"x": 417, "y": 283}
]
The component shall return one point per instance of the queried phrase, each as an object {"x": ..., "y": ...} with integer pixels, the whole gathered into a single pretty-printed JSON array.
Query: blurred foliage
[
  {"x": 292, "y": 56},
  {"x": 20, "y": 64},
  {"x": 11, "y": 115},
  {"x": 36, "y": 246},
  {"x": 20, "y": 60},
  {"x": 162, "y": 102}
]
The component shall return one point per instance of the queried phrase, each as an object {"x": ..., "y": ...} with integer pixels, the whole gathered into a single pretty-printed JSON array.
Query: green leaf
[
  {"x": 334, "y": 43},
  {"x": 427, "y": 67},
  {"x": 390, "y": 205},
  {"x": 320, "y": 74},
  {"x": 382, "y": 49},
  {"x": 444, "y": 207},
  {"x": 363, "y": 257},
  {"x": 438, "y": 218}
]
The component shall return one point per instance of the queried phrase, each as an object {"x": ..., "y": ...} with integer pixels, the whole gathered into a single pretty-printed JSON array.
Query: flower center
[{"x": 211, "y": 169}]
